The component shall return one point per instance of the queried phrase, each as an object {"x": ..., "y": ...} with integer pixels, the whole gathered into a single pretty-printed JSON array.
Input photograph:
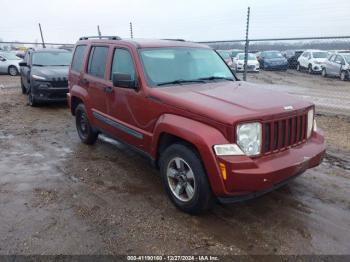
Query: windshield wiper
[
  {"x": 216, "y": 78},
  {"x": 180, "y": 81}
]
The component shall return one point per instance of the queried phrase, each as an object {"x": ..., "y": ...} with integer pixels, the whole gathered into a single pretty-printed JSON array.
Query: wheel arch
[{"x": 201, "y": 137}]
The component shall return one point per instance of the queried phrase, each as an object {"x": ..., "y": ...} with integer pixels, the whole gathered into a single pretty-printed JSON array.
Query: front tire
[
  {"x": 86, "y": 132},
  {"x": 24, "y": 90},
  {"x": 185, "y": 179},
  {"x": 309, "y": 69},
  {"x": 324, "y": 72},
  {"x": 31, "y": 99},
  {"x": 298, "y": 67},
  {"x": 344, "y": 76},
  {"x": 12, "y": 71}
]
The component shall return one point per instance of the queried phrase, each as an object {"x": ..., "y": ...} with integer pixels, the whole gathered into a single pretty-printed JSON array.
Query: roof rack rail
[
  {"x": 100, "y": 37},
  {"x": 175, "y": 39}
]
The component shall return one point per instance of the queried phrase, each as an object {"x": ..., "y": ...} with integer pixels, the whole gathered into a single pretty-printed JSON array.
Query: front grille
[
  {"x": 283, "y": 133},
  {"x": 59, "y": 82}
]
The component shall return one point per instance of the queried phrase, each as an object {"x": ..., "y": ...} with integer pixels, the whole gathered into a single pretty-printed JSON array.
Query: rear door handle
[{"x": 108, "y": 89}]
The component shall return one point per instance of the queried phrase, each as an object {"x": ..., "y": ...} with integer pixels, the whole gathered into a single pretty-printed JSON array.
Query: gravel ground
[
  {"x": 330, "y": 95},
  {"x": 58, "y": 196}
]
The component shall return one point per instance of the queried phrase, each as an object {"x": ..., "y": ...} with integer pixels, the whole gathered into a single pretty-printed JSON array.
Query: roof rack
[
  {"x": 100, "y": 37},
  {"x": 175, "y": 39}
]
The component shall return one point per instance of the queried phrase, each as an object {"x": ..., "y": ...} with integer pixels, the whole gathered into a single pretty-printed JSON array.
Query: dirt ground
[{"x": 58, "y": 196}]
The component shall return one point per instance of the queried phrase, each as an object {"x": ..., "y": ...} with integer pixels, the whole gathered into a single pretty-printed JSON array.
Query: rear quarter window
[
  {"x": 78, "y": 58},
  {"x": 97, "y": 61}
]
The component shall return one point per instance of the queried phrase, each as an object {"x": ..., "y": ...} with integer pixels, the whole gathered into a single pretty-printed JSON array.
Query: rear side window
[
  {"x": 123, "y": 63},
  {"x": 78, "y": 58},
  {"x": 97, "y": 61}
]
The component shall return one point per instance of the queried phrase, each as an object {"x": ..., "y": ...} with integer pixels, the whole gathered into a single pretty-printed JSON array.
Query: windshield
[
  {"x": 347, "y": 58},
  {"x": 250, "y": 57},
  {"x": 272, "y": 55},
  {"x": 51, "y": 58},
  {"x": 224, "y": 54},
  {"x": 10, "y": 56},
  {"x": 170, "y": 65},
  {"x": 320, "y": 54}
]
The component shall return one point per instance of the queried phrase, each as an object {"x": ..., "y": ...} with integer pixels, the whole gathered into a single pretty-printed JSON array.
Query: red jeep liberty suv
[{"x": 211, "y": 135}]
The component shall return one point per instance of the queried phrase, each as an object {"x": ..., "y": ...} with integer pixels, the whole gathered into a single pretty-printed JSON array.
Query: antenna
[
  {"x": 99, "y": 31},
  {"x": 42, "y": 37},
  {"x": 131, "y": 32}
]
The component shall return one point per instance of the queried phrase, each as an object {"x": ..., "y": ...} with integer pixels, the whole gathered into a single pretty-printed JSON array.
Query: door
[
  {"x": 25, "y": 70},
  {"x": 127, "y": 107},
  {"x": 94, "y": 80},
  {"x": 3, "y": 64},
  {"x": 337, "y": 65},
  {"x": 303, "y": 59}
]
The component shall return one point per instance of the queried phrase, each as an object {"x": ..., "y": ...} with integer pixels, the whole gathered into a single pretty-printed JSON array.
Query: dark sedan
[
  {"x": 44, "y": 75},
  {"x": 272, "y": 60},
  {"x": 292, "y": 57}
]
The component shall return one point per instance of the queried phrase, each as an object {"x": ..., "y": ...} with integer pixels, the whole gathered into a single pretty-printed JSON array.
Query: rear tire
[
  {"x": 324, "y": 72},
  {"x": 86, "y": 132},
  {"x": 185, "y": 179},
  {"x": 12, "y": 71}
]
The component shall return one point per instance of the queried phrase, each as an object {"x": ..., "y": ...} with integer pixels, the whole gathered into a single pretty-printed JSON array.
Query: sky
[{"x": 64, "y": 21}]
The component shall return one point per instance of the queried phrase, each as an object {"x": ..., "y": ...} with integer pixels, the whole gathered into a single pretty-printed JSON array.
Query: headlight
[
  {"x": 38, "y": 77},
  {"x": 310, "y": 121},
  {"x": 228, "y": 150},
  {"x": 249, "y": 138}
]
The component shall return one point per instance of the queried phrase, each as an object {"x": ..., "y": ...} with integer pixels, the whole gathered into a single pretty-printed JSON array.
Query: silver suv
[{"x": 337, "y": 65}]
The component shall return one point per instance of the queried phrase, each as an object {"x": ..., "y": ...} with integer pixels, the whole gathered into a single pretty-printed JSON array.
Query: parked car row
[
  {"x": 9, "y": 63},
  {"x": 328, "y": 63},
  {"x": 181, "y": 106}
]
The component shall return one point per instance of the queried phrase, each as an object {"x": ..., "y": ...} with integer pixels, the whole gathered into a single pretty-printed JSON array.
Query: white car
[
  {"x": 9, "y": 63},
  {"x": 252, "y": 63},
  {"x": 312, "y": 60}
]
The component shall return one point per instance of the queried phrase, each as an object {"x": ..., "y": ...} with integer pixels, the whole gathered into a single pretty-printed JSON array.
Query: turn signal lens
[{"x": 223, "y": 170}]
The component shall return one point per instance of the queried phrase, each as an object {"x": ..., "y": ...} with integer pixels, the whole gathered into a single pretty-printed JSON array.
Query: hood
[
  {"x": 51, "y": 72},
  {"x": 228, "y": 102},
  {"x": 279, "y": 59}
]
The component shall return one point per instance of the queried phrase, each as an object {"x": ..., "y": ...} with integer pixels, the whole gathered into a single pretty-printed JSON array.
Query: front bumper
[
  {"x": 249, "y": 177},
  {"x": 50, "y": 94},
  {"x": 276, "y": 67},
  {"x": 240, "y": 68}
]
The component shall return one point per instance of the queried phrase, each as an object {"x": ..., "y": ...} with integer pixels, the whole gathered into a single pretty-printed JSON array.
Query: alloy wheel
[{"x": 181, "y": 179}]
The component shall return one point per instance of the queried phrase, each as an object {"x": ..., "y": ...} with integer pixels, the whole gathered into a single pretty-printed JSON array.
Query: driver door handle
[{"x": 109, "y": 89}]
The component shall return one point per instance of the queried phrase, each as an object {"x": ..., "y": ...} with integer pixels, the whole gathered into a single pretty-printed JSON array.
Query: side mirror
[
  {"x": 123, "y": 81},
  {"x": 22, "y": 63}
]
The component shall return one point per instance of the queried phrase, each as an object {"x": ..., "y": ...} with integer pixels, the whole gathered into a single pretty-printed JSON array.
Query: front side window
[
  {"x": 78, "y": 58},
  {"x": 347, "y": 58},
  {"x": 51, "y": 58},
  {"x": 166, "y": 65},
  {"x": 10, "y": 56},
  {"x": 319, "y": 54},
  {"x": 97, "y": 61},
  {"x": 123, "y": 63}
]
